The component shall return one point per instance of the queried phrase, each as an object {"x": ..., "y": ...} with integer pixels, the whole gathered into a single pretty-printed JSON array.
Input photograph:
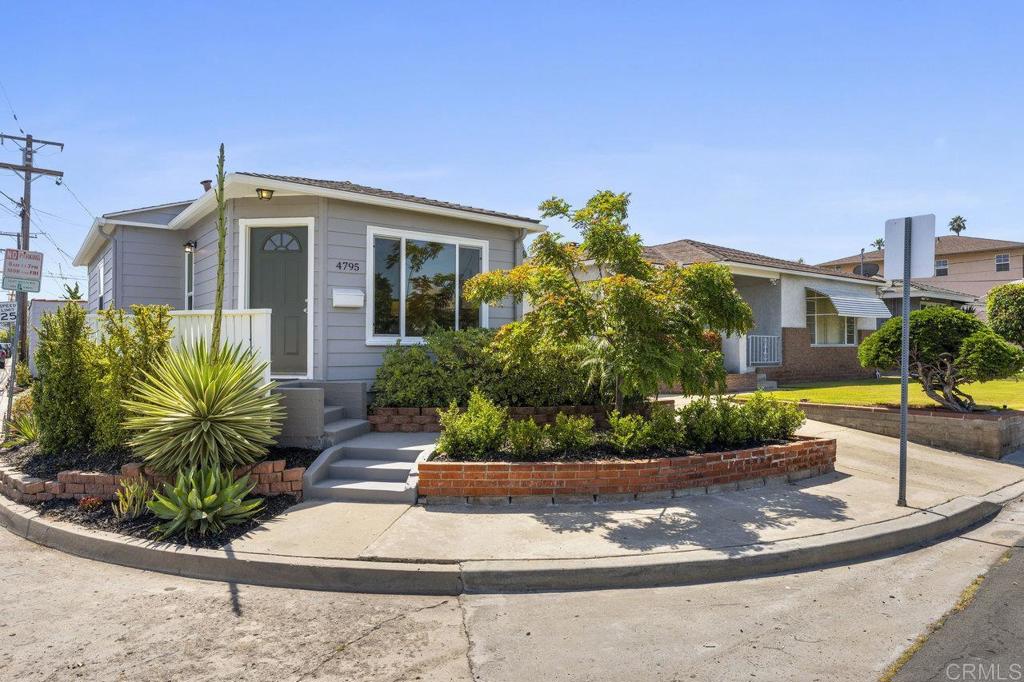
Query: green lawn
[{"x": 886, "y": 391}]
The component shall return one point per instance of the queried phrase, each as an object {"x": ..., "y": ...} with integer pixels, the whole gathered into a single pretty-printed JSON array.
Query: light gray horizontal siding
[{"x": 151, "y": 267}]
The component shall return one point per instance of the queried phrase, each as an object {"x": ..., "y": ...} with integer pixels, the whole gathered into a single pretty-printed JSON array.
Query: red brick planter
[
  {"x": 270, "y": 477},
  {"x": 441, "y": 482}
]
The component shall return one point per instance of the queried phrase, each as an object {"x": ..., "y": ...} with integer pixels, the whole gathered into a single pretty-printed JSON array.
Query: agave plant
[
  {"x": 203, "y": 501},
  {"x": 132, "y": 496},
  {"x": 23, "y": 430},
  {"x": 197, "y": 409}
]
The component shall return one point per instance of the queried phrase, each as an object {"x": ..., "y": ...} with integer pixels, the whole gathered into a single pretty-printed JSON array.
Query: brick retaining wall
[
  {"x": 992, "y": 434},
  {"x": 447, "y": 482},
  {"x": 271, "y": 478}
]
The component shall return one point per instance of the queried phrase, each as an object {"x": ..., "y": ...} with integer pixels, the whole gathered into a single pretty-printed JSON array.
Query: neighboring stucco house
[
  {"x": 808, "y": 321},
  {"x": 345, "y": 269},
  {"x": 971, "y": 265}
]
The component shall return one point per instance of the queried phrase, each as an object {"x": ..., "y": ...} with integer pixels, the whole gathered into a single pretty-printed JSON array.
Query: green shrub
[
  {"x": 525, "y": 439},
  {"x": 664, "y": 431},
  {"x": 24, "y": 429},
  {"x": 570, "y": 435},
  {"x": 769, "y": 418},
  {"x": 22, "y": 375},
  {"x": 205, "y": 500},
  {"x": 473, "y": 433},
  {"x": 733, "y": 430},
  {"x": 1005, "y": 307},
  {"x": 196, "y": 410},
  {"x": 132, "y": 496},
  {"x": 129, "y": 347},
  {"x": 22, "y": 405},
  {"x": 629, "y": 433},
  {"x": 452, "y": 363},
  {"x": 63, "y": 396}
]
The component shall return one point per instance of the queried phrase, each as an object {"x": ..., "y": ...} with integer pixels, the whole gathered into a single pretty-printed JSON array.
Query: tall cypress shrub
[{"x": 66, "y": 359}]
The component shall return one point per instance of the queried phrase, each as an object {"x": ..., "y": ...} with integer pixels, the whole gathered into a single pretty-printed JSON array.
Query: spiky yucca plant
[
  {"x": 200, "y": 410},
  {"x": 203, "y": 501},
  {"x": 24, "y": 429}
]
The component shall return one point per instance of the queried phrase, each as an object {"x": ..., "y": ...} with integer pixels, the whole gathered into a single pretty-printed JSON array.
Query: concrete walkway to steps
[{"x": 861, "y": 492}]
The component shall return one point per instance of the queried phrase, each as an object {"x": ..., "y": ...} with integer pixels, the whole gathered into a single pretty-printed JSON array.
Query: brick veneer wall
[
  {"x": 986, "y": 434},
  {"x": 455, "y": 481},
  {"x": 271, "y": 478},
  {"x": 741, "y": 383},
  {"x": 803, "y": 362}
]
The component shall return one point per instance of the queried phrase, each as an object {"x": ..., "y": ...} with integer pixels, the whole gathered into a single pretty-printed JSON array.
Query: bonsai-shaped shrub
[
  {"x": 474, "y": 433},
  {"x": 204, "y": 500},
  {"x": 1005, "y": 307},
  {"x": 129, "y": 347},
  {"x": 63, "y": 397},
  {"x": 637, "y": 326},
  {"x": 948, "y": 348},
  {"x": 198, "y": 410}
]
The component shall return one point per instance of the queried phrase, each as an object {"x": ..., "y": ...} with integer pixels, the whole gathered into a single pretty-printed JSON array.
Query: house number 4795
[{"x": 348, "y": 266}]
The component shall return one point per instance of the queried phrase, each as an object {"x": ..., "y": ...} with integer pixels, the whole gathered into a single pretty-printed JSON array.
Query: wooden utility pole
[{"x": 26, "y": 170}]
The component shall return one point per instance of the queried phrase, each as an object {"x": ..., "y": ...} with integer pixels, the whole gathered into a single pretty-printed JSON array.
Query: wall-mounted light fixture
[
  {"x": 264, "y": 194},
  {"x": 774, "y": 281},
  {"x": 190, "y": 246}
]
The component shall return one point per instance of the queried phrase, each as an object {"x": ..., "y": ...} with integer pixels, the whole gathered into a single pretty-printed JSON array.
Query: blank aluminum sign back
[{"x": 922, "y": 247}]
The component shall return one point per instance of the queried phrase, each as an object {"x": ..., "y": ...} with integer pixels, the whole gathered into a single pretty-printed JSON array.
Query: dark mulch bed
[
  {"x": 104, "y": 519},
  {"x": 294, "y": 457},
  {"x": 30, "y": 460}
]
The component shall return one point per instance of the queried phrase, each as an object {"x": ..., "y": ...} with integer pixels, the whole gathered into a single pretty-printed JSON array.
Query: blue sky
[{"x": 792, "y": 129}]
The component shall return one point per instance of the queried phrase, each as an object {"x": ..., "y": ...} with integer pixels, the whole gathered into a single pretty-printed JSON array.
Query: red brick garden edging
[
  {"x": 455, "y": 481},
  {"x": 270, "y": 477}
]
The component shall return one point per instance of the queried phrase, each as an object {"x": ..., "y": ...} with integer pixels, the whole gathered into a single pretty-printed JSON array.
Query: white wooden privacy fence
[{"x": 250, "y": 328}]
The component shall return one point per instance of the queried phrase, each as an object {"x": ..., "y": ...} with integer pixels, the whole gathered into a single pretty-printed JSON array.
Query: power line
[
  {"x": 11, "y": 107},
  {"x": 84, "y": 207}
]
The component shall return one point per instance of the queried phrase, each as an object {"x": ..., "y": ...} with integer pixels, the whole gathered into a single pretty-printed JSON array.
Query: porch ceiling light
[
  {"x": 190, "y": 246},
  {"x": 264, "y": 194}
]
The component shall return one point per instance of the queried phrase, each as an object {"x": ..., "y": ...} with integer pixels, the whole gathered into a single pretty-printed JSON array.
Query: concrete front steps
[
  {"x": 764, "y": 383},
  {"x": 373, "y": 467}
]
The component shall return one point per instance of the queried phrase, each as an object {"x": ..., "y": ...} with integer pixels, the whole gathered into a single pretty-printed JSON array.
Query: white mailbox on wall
[{"x": 347, "y": 298}]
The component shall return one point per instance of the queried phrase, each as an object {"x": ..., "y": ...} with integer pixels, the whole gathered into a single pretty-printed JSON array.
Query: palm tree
[
  {"x": 879, "y": 243},
  {"x": 957, "y": 224}
]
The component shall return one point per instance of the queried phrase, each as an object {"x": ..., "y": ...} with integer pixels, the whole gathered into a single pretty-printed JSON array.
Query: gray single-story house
[{"x": 343, "y": 269}]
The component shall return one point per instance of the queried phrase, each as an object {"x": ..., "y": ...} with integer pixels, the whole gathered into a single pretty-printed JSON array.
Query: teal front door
[{"x": 278, "y": 275}]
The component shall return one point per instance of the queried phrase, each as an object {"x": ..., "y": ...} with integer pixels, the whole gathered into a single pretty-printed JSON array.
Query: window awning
[{"x": 853, "y": 305}]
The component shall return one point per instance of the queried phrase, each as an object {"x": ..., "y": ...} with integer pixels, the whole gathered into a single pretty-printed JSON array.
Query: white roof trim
[
  {"x": 235, "y": 181},
  {"x": 776, "y": 271},
  {"x": 143, "y": 209},
  {"x": 96, "y": 237},
  {"x": 853, "y": 305}
]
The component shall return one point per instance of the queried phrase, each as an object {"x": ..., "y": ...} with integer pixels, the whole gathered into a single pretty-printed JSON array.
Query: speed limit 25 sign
[{"x": 8, "y": 312}]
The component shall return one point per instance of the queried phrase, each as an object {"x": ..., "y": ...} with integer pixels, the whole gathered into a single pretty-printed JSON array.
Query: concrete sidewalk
[{"x": 861, "y": 493}]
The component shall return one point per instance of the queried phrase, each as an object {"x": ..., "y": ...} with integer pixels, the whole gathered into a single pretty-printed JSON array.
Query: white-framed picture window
[
  {"x": 190, "y": 279},
  {"x": 1003, "y": 262},
  {"x": 826, "y": 326},
  {"x": 941, "y": 267},
  {"x": 414, "y": 284}
]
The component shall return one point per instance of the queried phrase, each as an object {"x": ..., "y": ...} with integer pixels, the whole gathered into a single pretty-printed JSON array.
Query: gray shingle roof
[
  {"x": 687, "y": 251},
  {"x": 346, "y": 186}
]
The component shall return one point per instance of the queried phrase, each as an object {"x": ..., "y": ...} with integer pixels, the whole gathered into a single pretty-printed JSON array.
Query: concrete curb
[{"x": 651, "y": 570}]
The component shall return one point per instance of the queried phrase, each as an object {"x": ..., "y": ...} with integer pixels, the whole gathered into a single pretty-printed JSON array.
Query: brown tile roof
[
  {"x": 687, "y": 251},
  {"x": 944, "y": 246},
  {"x": 345, "y": 186},
  {"x": 898, "y": 284}
]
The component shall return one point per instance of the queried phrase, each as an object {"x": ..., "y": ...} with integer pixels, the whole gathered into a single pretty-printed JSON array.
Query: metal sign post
[
  {"x": 910, "y": 243},
  {"x": 12, "y": 373},
  {"x": 23, "y": 272}
]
